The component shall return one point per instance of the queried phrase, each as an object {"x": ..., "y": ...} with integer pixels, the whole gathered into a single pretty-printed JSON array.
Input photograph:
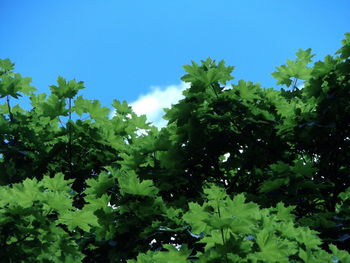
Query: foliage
[
  {"x": 31, "y": 213},
  {"x": 239, "y": 174},
  {"x": 235, "y": 231}
]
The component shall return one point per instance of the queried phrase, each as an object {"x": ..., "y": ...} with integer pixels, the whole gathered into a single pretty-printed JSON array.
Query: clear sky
[{"x": 134, "y": 50}]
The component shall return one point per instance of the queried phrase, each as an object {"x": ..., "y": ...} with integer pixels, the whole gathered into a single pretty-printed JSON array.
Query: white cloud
[
  {"x": 301, "y": 85},
  {"x": 159, "y": 97}
]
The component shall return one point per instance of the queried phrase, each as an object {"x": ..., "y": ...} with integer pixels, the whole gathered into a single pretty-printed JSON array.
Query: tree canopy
[{"x": 240, "y": 173}]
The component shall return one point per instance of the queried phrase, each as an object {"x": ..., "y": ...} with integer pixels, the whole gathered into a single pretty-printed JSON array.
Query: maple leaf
[
  {"x": 56, "y": 183},
  {"x": 98, "y": 186},
  {"x": 273, "y": 249},
  {"x": 26, "y": 193},
  {"x": 83, "y": 219},
  {"x": 58, "y": 201},
  {"x": 129, "y": 183},
  {"x": 66, "y": 89},
  {"x": 93, "y": 107}
]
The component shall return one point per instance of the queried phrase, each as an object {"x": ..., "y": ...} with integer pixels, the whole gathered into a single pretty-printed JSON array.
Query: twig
[{"x": 9, "y": 108}]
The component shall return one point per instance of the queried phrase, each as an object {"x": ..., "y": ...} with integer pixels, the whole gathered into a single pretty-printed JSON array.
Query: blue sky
[{"x": 134, "y": 50}]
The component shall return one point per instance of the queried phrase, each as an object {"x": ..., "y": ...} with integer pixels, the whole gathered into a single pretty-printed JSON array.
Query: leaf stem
[
  {"x": 295, "y": 81},
  {"x": 222, "y": 233},
  {"x": 70, "y": 138},
  {"x": 9, "y": 107},
  {"x": 214, "y": 91}
]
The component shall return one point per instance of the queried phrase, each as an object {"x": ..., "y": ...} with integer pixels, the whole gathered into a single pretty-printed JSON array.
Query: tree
[{"x": 240, "y": 174}]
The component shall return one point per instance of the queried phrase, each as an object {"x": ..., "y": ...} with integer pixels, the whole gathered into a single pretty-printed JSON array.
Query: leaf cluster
[{"x": 240, "y": 173}]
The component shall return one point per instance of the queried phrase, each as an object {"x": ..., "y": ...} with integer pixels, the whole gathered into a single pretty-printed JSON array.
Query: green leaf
[
  {"x": 95, "y": 203},
  {"x": 284, "y": 213},
  {"x": 92, "y": 107},
  {"x": 308, "y": 237},
  {"x": 297, "y": 69},
  {"x": 66, "y": 89},
  {"x": 215, "y": 193},
  {"x": 272, "y": 249},
  {"x": 195, "y": 216},
  {"x": 54, "y": 107},
  {"x": 26, "y": 193},
  {"x": 247, "y": 212},
  {"x": 83, "y": 219},
  {"x": 97, "y": 187},
  {"x": 342, "y": 255},
  {"x": 6, "y": 66},
  {"x": 273, "y": 184},
  {"x": 323, "y": 67},
  {"x": 209, "y": 73},
  {"x": 129, "y": 183},
  {"x": 14, "y": 85},
  {"x": 345, "y": 50},
  {"x": 304, "y": 56},
  {"x": 56, "y": 183},
  {"x": 58, "y": 201},
  {"x": 122, "y": 108},
  {"x": 218, "y": 223},
  {"x": 247, "y": 90},
  {"x": 173, "y": 255}
]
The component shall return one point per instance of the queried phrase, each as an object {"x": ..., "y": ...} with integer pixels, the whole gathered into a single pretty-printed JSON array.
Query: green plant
[{"x": 239, "y": 174}]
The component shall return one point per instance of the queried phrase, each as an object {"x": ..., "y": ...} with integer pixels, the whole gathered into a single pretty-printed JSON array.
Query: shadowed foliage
[{"x": 239, "y": 174}]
